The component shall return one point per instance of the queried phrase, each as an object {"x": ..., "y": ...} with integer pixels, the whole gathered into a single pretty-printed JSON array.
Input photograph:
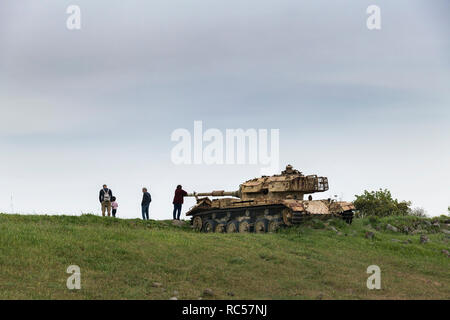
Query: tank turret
[
  {"x": 289, "y": 184},
  {"x": 265, "y": 203}
]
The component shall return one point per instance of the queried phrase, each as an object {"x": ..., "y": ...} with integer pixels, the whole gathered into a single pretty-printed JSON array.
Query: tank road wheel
[
  {"x": 244, "y": 226},
  {"x": 210, "y": 226},
  {"x": 197, "y": 223},
  {"x": 261, "y": 226},
  {"x": 287, "y": 216},
  {"x": 220, "y": 228},
  {"x": 232, "y": 226},
  {"x": 273, "y": 226}
]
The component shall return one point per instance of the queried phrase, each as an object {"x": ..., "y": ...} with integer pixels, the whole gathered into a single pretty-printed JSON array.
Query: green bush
[
  {"x": 418, "y": 212},
  {"x": 317, "y": 224},
  {"x": 381, "y": 204},
  {"x": 373, "y": 219},
  {"x": 338, "y": 223}
]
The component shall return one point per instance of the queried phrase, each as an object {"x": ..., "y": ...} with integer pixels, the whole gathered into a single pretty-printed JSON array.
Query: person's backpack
[{"x": 106, "y": 196}]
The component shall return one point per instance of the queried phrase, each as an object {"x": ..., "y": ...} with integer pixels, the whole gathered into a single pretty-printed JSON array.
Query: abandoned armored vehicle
[{"x": 264, "y": 204}]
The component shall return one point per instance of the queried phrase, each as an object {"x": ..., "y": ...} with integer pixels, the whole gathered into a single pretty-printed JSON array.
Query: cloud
[{"x": 115, "y": 90}]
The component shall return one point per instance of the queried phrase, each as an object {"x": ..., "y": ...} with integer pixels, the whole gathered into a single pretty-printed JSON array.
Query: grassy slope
[{"x": 120, "y": 259}]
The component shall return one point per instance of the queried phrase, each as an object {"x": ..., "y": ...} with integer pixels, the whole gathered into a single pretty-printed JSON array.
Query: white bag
[{"x": 106, "y": 196}]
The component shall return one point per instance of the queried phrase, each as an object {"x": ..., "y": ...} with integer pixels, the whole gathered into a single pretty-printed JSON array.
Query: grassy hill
[{"x": 122, "y": 259}]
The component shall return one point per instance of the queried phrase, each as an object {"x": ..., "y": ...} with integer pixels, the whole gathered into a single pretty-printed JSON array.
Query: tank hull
[{"x": 231, "y": 215}]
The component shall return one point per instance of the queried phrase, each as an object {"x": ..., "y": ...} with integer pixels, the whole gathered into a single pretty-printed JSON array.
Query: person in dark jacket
[
  {"x": 105, "y": 197},
  {"x": 145, "y": 204},
  {"x": 178, "y": 202}
]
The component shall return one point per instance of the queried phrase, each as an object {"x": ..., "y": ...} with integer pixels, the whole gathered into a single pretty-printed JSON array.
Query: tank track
[{"x": 259, "y": 219}]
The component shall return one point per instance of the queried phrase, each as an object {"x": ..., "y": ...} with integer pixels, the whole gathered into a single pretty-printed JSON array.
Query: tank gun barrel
[{"x": 217, "y": 193}]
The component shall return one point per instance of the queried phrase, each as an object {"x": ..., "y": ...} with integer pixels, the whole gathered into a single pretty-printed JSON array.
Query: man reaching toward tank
[{"x": 178, "y": 202}]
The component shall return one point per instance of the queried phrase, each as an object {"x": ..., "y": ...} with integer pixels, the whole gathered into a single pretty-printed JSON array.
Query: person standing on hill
[
  {"x": 178, "y": 202},
  {"x": 105, "y": 197},
  {"x": 114, "y": 206},
  {"x": 145, "y": 204}
]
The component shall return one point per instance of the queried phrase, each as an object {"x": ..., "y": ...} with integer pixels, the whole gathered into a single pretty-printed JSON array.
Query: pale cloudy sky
[{"x": 368, "y": 109}]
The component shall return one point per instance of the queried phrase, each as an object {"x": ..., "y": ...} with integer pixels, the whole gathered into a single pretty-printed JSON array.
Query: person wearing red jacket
[{"x": 178, "y": 202}]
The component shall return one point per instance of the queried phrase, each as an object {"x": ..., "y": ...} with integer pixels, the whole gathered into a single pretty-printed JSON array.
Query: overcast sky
[{"x": 368, "y": 109}]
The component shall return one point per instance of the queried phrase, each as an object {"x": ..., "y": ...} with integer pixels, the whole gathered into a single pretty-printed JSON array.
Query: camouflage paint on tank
[{"x": 287, "y": 188}]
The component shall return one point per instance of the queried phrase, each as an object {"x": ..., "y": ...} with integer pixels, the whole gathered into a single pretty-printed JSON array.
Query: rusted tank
[{"x": 264, "y": 204}]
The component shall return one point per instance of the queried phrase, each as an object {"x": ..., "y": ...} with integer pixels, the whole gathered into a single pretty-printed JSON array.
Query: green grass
[{"x": 121, "y": 259}]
